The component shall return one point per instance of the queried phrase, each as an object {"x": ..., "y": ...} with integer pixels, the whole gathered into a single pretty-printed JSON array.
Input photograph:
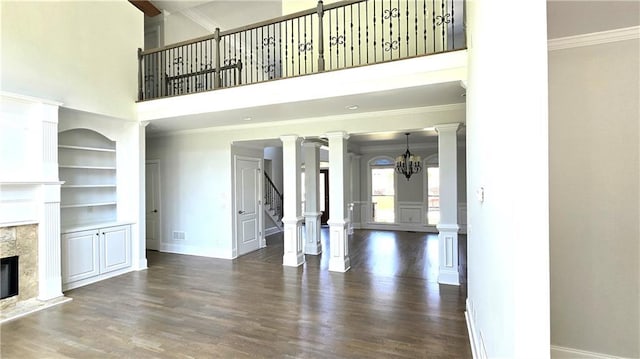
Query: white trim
[
  {"x": 271, "y": 230},
  {"x": 558, "y": 352},
  {"x": 594, "y": 38},
  {"x": 26, "y": 98},
  {"x": 472, "y": 338}
]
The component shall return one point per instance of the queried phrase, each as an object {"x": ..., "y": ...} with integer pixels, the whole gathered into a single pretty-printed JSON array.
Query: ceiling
[{"x": 411, "y": 97}]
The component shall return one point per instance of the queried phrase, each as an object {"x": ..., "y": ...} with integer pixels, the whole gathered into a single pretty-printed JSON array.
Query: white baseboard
[
  {"x": 558, "y": 352},
  {"x": 474, "y": 338},
  {"x": 272, "y": 230},
  {"x": 195, "y": 250}
]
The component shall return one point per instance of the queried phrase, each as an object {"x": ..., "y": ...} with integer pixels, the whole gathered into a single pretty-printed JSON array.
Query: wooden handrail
[
  {"x": 254, "y": 25},
  {"x": 273, "y": 185}
]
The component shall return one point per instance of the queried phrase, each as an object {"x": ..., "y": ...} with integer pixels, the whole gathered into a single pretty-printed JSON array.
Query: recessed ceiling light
[
  {"x": 247, "y": 119},
  {"x": 352, "y": 107}
]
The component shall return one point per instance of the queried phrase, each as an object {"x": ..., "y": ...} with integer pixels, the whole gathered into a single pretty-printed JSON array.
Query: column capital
[
  {"x": 311, "y": 144},
  {"x": 289, "y": 138},
  {"x": 337, "y": 135},
  {"x": 448, "y": 127},
  {"x": 354, "y": 155}
]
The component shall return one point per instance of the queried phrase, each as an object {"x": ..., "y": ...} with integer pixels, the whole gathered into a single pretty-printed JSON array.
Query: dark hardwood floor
[{"x": 387, "y": 306}]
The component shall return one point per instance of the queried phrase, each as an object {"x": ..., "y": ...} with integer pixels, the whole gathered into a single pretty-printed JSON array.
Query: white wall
[
  {"x": 507, "y": 146},
  {"x": 274, "y": 154},
  {"x": 594, "y": 149},
  {"x": 196, "y": 192},
  {"x": 178, "y": 27},
  {"x": 73, "y": 53}
]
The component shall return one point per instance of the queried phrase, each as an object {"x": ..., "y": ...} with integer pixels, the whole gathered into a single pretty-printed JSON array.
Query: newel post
[
  {"x": 321, "y": 37},
  {"x": 140, "y": 80},
  {"x": 216, "y": 79}
]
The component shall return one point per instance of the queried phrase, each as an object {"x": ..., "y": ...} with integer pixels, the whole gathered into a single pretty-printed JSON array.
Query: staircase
[{"x": 272, "y": 206}]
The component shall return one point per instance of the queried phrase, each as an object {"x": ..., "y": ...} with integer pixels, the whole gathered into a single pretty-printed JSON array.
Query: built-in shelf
[
  {"x": 88, "y": 167},
  {"x": 83, "y": 148},
  {"x": 89, "y": 186},
  {"x": 88, "y": 205}
]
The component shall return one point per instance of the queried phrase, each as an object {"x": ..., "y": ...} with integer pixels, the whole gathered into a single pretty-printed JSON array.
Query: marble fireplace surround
[{"x": 21, "y": 241}]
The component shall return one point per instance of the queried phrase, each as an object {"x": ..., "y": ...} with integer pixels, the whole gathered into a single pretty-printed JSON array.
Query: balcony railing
[{"x": 330, "y": 37}]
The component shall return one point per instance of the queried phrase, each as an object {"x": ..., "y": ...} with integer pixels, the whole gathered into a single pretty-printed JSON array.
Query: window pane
[
  {"x": 433, "y": 180},
  {"x": 383, "y": 209},
  {"x": 382, "y": 180}
]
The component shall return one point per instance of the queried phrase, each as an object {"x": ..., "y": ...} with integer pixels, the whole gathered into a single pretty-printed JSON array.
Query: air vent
[{"x": 178, "y": 236}]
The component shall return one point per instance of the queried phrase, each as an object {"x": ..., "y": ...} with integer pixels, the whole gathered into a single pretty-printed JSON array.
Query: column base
[
  {"x": 448, "y": 251},
  {"x": 339, "y": 260},
  {"x": 312, "y": 243},
  {"x": 293, "y": 256}
]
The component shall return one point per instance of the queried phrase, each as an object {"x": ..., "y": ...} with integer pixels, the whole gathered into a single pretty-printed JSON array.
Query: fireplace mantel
[{"x": 29, "y": 181}]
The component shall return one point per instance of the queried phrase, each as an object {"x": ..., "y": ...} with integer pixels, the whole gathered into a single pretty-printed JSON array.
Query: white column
[
  {"x": 448, "y": 226},
  {"x": 292, "y": 219},
  {"x": 338, "y": 185},
  {"x": 140, "y": 250},
  {"x": 49, "y": 257},
  {"x": 312, "y": 214}
]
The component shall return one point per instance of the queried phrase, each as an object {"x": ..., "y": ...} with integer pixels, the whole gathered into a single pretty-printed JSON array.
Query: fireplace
[
  {"x": 19, "y": 249},
  {"x": 8, "y": 277}
]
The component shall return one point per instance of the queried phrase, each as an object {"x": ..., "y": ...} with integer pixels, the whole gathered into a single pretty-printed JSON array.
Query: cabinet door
[
  {"x": 116, "y": 248},
  {"x": 80, "y": 255}
]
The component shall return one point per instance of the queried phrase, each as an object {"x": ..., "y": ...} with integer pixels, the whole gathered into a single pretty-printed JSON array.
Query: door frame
[
  {"x": 234, "y": 210},
  {"x": 159, "y": 204}
]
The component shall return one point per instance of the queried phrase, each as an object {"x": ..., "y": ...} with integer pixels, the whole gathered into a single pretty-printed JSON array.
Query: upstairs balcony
[{"x": 330, "y": 37}]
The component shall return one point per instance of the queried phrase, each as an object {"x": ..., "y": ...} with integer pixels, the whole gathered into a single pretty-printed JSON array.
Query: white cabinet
[
  {"x": 92, "y": 255},
  {"x": 80, "y": 256},
  {"x": 115, "y": 249}
]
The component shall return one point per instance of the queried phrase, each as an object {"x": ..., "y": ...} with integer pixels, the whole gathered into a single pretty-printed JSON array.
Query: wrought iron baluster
[
  {"x": 280, "y": 49},
  {"x": 375, "y": 50},
  {"x": 305, "y": 44},
  {"x": 293, "y": 52},
  {"x": 443, "y": 23},
  {"x": 286, "y": 49},
  {"x": 330, "y": 45},
  {"x": 453, "y": 25},
  {"x": 433, "y": 3},
  {"x": 351, "y": 30},
  {"x": 366, "y": 16},
  {"x": 359, "y": 36},
  {"x": 310, "y": 45},
  {"x": 344, "y": 36}
]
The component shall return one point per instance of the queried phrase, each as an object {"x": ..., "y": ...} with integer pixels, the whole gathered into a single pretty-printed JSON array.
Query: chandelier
[{"x": 407, "y": 164}]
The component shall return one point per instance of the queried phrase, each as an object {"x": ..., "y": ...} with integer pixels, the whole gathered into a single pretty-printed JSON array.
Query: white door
[
  {"x": 152, "y": 193},
  {"x": 248, "y": 204}
]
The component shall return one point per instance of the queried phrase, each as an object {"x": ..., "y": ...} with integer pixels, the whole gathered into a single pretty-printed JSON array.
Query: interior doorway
[
  {"x": 324, "y": 195},
  {"x": 248, "y": 206},
  {"x": 152, "y": 204}
]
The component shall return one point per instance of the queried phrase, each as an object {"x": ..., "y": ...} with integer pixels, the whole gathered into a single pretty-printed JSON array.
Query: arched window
[{"x": 382, "y": 180}]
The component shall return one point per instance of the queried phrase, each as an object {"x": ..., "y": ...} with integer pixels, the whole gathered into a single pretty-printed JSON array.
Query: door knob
[
  {"x": 155, "y": 211},
  {"x": 240, "y": 212}
]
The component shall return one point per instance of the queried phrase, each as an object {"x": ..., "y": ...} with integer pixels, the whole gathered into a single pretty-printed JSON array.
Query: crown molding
[{"x": 595, "y": 38}]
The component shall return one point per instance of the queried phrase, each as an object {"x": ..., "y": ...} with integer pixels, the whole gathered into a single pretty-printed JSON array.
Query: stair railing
[
  {"x": 273, "y": 199},
  {"x": 334, "y": 36}
]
